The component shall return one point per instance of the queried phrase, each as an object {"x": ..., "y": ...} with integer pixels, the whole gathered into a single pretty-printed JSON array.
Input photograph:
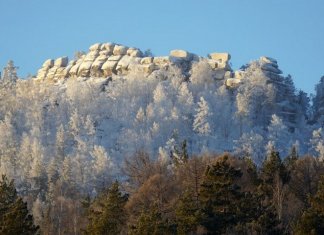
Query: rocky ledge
[{"x": 107, "y": 59}]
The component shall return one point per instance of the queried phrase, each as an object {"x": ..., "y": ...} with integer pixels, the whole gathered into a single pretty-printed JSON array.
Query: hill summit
[{"x": 107, "y": 59}]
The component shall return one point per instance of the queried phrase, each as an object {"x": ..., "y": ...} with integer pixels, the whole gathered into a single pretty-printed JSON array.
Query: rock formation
[{"x": 104, "y": 60}]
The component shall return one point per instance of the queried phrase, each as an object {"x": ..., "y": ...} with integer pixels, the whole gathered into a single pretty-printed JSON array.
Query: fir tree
[
  {"x": 152, "y": 222},
  {"x": 201, "y": 124},
  {"x": 14, "y": 216},
  {"x": 220, "y": 197},
  {"x": 107, "y": 214},
  {"x": 10, "y": 73},
  {"x": 187, "y": 214},
  {"x": 275, "y": 178},
  {"x": 312, "y": 220}
]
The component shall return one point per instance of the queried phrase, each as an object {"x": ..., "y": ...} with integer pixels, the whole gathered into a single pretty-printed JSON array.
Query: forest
[{"x": 163, "y": 154}]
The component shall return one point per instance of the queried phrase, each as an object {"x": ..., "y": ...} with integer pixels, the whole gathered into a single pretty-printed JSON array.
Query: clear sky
[{"x": 292, "y": 31}]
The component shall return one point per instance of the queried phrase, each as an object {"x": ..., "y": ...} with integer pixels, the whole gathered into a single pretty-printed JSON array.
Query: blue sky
[{"x": 292, "y": 31}]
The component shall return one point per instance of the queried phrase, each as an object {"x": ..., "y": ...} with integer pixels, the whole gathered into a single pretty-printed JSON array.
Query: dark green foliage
[
  {"x": 273, "y": 166},
  {"x": 151, "y": 222},
  {"x": 291, "y": 159},
  {"x": 312, "y": 220},
  {"x": 107, "y": 214},
  {"x": 268, "y": 222},
  {"x": 187, "y": 214},
  {"x": 273, "y": 174},
  {"x": 220, "y": 197},
  {"x": 14, "y": 217}
]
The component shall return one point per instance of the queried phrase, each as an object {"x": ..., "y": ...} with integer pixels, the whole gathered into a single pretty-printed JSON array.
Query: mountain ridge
[{"x": 107, "y": 59}]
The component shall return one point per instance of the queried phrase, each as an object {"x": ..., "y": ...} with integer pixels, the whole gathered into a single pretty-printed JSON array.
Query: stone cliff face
[{"x": 106, "y": 59}]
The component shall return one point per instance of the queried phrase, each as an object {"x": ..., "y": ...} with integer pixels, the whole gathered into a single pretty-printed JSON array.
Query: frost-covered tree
[
  {"x": 255, "y": 100},
  {"x": 317, "y": 143},
  {"x": 251, "y": 145},
  {"x": 318, "y": 102},
  {"x": 279, "y": 135},
  {"x": 201, "y": 122},
  {"x": 9, "y": 74},
  {"x": 202, "y": 74},
  {"x": 8, "y": 147},
  {"x": 102, "y": 165}
]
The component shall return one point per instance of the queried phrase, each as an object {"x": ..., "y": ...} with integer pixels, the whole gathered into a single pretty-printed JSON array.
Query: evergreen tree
[
  {"x": 187, "y": 214},
  {"x": 107, "y": 214},
  {"x": 312, "y": 220},
  {"x": 151, "y": 222},
  {"x": 275, "y": 178},
  {"x": 10, "y": 73},
  {"x": 220, "y": 197},
  {"x": 14, "y": 216},
  {"x": 201, "y": 124},
  {"x": 318, "y": 102}
]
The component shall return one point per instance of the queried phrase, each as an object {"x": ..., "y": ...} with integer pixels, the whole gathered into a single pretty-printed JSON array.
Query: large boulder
[
  {"x": 108, "y": 47},
  {"x": 134, "y": 52},
  {"x": 75, "y": 69},
  {"x": 99, "y": 61},
  {"x": 84, "y": 69},
  {"x": 271, "y": 68},
  {"x": 268, "y": 60},
  {"x": 238, "y": 74},
  {"x": 216, "y": 64},
  {"x": 181, "y": 54},
  {"x": 41, "y": 73},
  {"x": 213, "y": 63},
  {"x": 123, "y": 63},
  {"x": 61, "y": 62},
  {"x": 109, "y": 67},
  {"x": 120, "y": 50},
  {"x": 68, "y": 68},
  {"x": 59, "y": 73},
  {"x": 220, "y": 57},
  {"x": 51, "y": 72},
  {"x": 48, "y": 63},
  {"x": 162, "y": 60},
  {"x": 91, "y": 56},
  {"x": 127, "y": 63},
  {"x": 147, "y": 60},
  {"x": 114, "y": 57},
  {"x": 95, "y": 47},
  {"x": 105, "y": 53}
]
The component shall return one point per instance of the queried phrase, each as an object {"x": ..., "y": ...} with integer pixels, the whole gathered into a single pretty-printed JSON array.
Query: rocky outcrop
[{"x": 106, "y": 59}]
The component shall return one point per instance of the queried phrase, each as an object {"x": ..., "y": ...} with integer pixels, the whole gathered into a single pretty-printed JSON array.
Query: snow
[{"x": 100, "y": 121}]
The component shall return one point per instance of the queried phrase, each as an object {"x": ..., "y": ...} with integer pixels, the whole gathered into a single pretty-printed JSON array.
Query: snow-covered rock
[
  {"x": 105, "y": 59},
  {"x": 61, "y": 62},
  {"x": 181, "y": 54},
  {"x": 120, "y": 50},
  {"x": 147, "y": 60},
  {"x": 221, "y": 57},
  {"x": 95, "y": 47},
  {"x": 134, "y": 52}
]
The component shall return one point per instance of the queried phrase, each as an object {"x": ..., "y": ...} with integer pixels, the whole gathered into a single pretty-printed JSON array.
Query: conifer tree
[
  {"x": 312, "y": 220},
  {"x": 151, "y": 222},
  {"x": 220, "y": 197},
  {"x": 10, "y": 73},
  {"x": 14, "y": 216},
  {"x": 201, "y": 124},
  {"x": 275, "y": 178},
  {"x": 107, "y": 214},
  {"x": 187, "y": 214}
]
